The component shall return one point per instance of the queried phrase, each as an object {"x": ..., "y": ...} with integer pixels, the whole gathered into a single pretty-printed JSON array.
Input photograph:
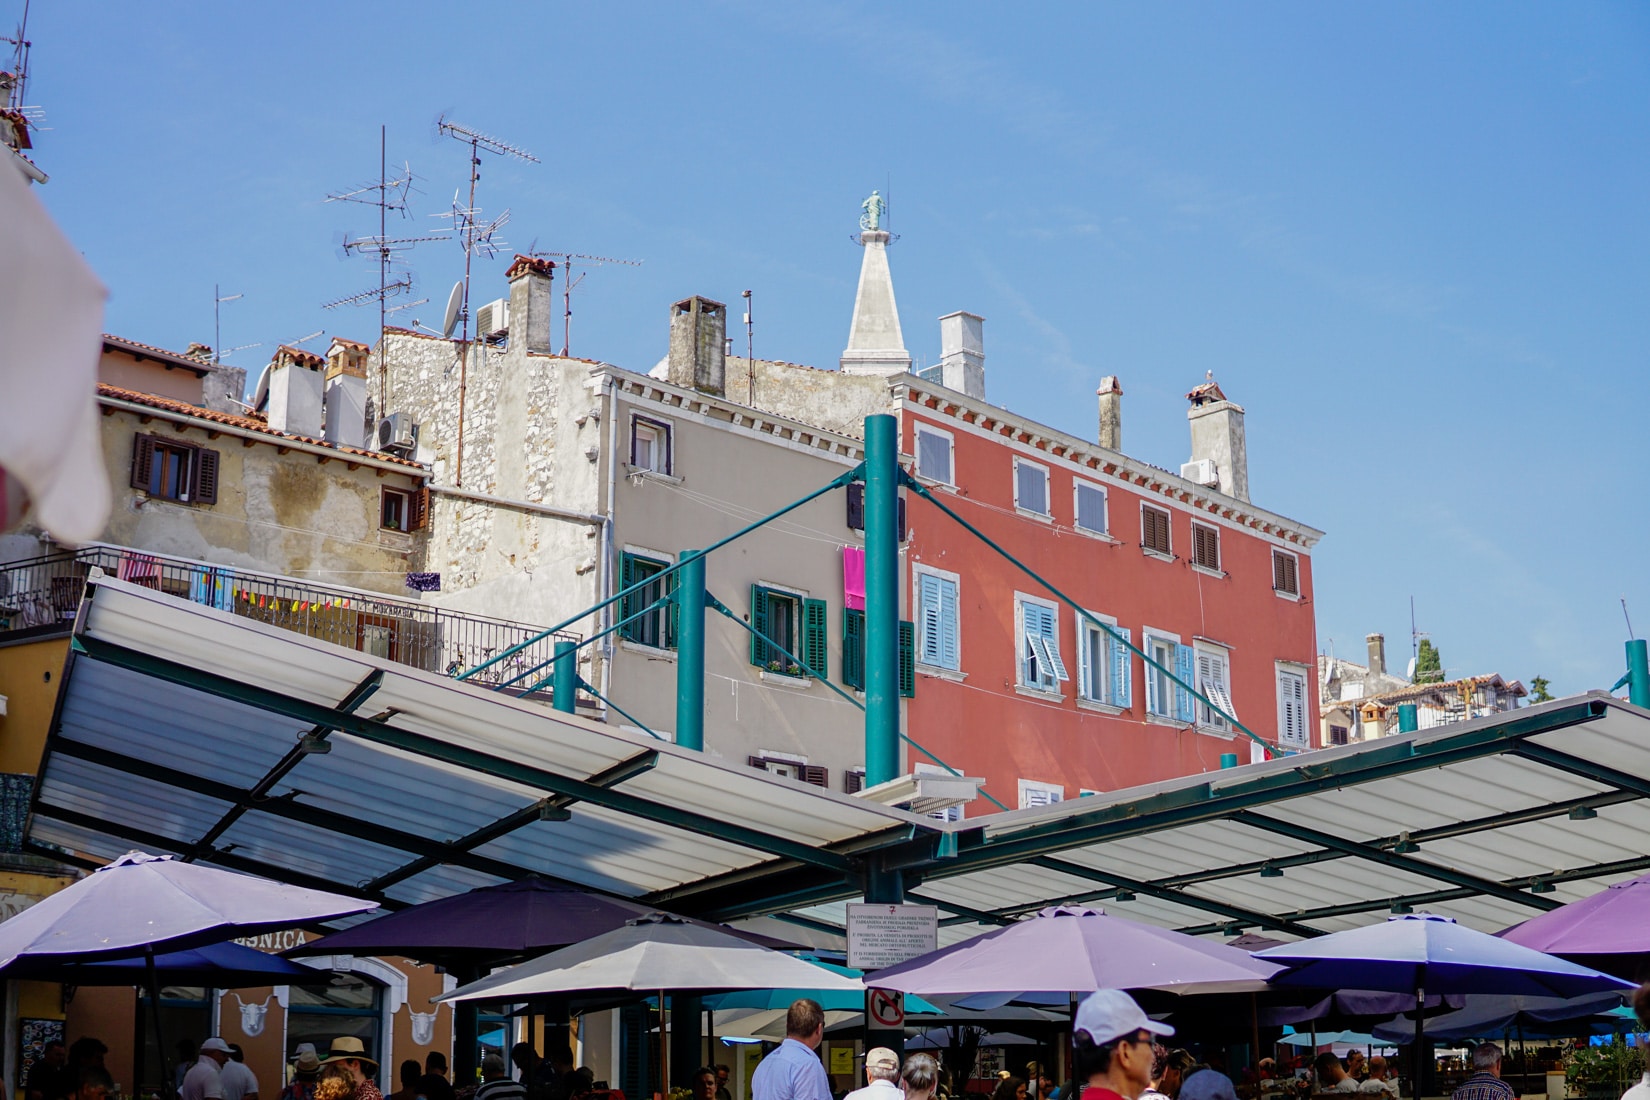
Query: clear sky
[{"x": 1411, "y": 239}]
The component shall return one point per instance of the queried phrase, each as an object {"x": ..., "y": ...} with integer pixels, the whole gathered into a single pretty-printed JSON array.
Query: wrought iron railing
[{"x": 39, "y": 596}]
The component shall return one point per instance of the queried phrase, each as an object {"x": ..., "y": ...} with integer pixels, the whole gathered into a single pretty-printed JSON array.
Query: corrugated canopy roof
[{"x": 183, "y": 729}]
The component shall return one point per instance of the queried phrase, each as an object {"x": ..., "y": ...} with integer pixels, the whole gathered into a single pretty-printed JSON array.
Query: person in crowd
[
  {"x": 881, "y": 1076},
  {"x": 1332, "y": 1076},
  {"x": 580, "y": 1083},
  {"x": 1355, "y": 1067},
  {"x": 1039, "y": 1078},
  {"x": 530, "y": 1070},
  {"x": 1485, "y": 1082},
  {"x": 1380, "y": 1080},
  {"x": 50, "y": 1077},
  {"x": 86, "y": 1051},
  {"x": 704, "y": 1083},
  {"x": 306, "y": 1072},
  {"x": 186, "y": 1059},
  {"x": 434, "y": 1084},
  {"x": 1171, "y": 1071},
  {"x": 335, "y": 1081},
  {"x": 723, "y": 1072},
  {"x": 496, "y": 1082},
  {"x": 204, "y": 1081},
  {"x": 921, "y": 1077},
  {"x": 349, "y": 1052},
  {"x": 1207, "y": 1084},
  {"x": 1008, "y": 1088},
  {"x": 1113, "y": 1043},
  {"x": 793, "y": 1071},
  {"x": 95, "y": 1083},
  {"x": 557, "y": 1070},
  {"x": 407, "y": 1075},
  {"x": 239, "y": 1082}
]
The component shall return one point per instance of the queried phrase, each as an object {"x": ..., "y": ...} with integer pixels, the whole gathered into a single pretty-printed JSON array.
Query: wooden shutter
[
  {"x": 1154, "y": 529},
  {"x": 853, "y": 781},
  {"x": 900, "y": 522},
  {"x": 759, "y": 623},
  {"x": 815, "y": 650},
  {"x": 949, "y": 657},
  {"x": 420, "y": 505},
  {"x": 907, "y": 659},
  {"x": 856, "y": 506},
  {"x": 757, "y": 762},
  {"x": 853, "y": 648},
  {"x": 1206, "y": 546},
  {"x": 143, "y": 460},
  {"x": 928, "y": 614},
  {"x": 206, "y": 476},
  {"x": 1122, "y": 668},
  {"x": 1285, "y": 573},
  {"x": 817, "y": 775}
]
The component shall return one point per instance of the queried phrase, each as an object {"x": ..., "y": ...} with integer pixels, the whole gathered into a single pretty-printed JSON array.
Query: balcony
[{"x": 40, "y": 596}]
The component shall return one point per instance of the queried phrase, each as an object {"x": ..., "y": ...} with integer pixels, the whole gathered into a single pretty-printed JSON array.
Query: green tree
[
  {"x": 1429, "y": 666},
  {"x": 1538, "y": 689}
]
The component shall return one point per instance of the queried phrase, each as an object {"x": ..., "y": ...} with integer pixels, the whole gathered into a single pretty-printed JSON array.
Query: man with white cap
[
  {"x": 881, "y": 1077},
  {"x": 1114, "y": 1046},
  {"x": 204, "y": 1080}
]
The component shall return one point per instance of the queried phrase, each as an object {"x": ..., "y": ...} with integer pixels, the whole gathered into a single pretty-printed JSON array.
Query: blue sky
[{"x": 1411, "y": 239}]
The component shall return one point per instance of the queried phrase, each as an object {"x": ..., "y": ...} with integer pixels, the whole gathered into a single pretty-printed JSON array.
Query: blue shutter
[
  {"x": 949, "y": 657},
  {"x": 759, "y": 623},
  {"x": 1183, "y": 702},
  {"x": 1153, "y": 706},
  {"x": 853, "y": 648},
  {"x": 928, "y": 614},
  {"x": 907, "y": 659},
  {"x": 814, "y": 649},
  {"x": 1121, "y": 667}
]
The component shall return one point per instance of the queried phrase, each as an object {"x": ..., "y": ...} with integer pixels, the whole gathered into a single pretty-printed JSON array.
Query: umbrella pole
[
  {"x": 664, "y": 1052},
  {"x": 1071, "y": 1056},
  {"x": 1254, "y": 1033},
  {"x": 154, "y": 1010},
  {"x": 1415, "y": 1060}
]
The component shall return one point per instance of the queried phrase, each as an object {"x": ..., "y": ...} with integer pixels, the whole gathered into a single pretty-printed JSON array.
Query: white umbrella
[
  {"x": 655, "y": 952},
  {"x": 768, "y": 1023}
]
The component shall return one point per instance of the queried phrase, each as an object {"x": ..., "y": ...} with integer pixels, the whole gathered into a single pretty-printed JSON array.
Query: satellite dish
[
  {"x": 455, "y": 302},
  {"x": 260, "y": 393}
]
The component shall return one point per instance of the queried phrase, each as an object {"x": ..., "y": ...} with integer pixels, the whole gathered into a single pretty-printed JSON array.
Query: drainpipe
[
  {"x": 607, "y": 548},
  {"x": 1638, "y": 673}
]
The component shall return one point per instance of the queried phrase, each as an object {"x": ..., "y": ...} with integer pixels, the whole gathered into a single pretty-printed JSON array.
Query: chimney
[
  {"x": 1111, "y": 413},
  {"x": 1377, "y": 654},
  {"x": 1217, "y": 438},
  {"x": 530, "y": 303},
  {"x": 295, "y": 392},
  {"x": 698, "y": 345},
  {"x": 962, "y": 353},
  {"x": 346, "y": 393}
]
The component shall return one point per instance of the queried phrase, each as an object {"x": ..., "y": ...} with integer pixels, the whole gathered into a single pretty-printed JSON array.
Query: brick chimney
[
  {"x": 1111, "y": 413},
  {"x": 962, "y": 353},
  {"x": 1217, "y": 437},
  {"x": 698, "y": 345},
  {"x": 1377, "y": 654},
  {"x": 530, "y": 303},
  {"x": 295, "y": 392}
]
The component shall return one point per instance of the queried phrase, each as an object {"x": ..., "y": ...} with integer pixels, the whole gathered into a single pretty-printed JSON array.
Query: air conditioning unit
[
  {"x": 493, "y": 319},
  {"x": 1203, "y": 471},
  {"x": 397, "y": 433}
]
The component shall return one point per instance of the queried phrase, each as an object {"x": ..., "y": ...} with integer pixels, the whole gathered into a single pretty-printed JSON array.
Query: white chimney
[
  {"x": 1218, "y": 438},
  {"x": 346, "y": 393},
  {"x": 295, "y": 392},
  {"x": 530, "y": 303},
  {"x": 962, "y": 353}
]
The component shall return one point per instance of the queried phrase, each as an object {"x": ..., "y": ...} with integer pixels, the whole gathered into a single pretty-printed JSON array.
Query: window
[
  {"x": 853, "y": 780},
  {"x": 936, "y": 623},
  {"x": 169, "y": 469},
  {"x": 1286, "y": 578},
  {"x": 1212, "y": 680},
  {"x": 655, "y": 628},
  {"x": 349, "y": 1004},
  {"x": 855, "y": 497},
  {"x": 934, "y": 454},
  {"x": 1102, "y": 664},
  {"x": 1033, "y": 793},
  {"x": 1040, "y": 664},
  {"x": 853, "y": 653},
  {"x": 1030, "y": 487},
  {"x": 1292, "y": 709},
  {"x": 1154, "y": 530},
  {"x": 795, "y": 628},
  {"x": 1090, "y": 508},
  {"x": 950, "y": 813},
  {"x": 1164, "y": 697},
  {"x": 403, "y": 509},
  {"x": 791, "y": 767},
  {"x": 1339, "y": 735},
  {"x": 650, "y": 445},
  {"x": 1206, "y": 546}
]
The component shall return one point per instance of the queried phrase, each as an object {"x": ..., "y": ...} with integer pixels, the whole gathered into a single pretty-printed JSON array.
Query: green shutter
[
  {"x": 907, "y": 659},
  {"x": 627, "y": 604},
  {"x": 673, "y": 611},
  {"x": 759, "y": 623},
  {"x": 853, "y": 648},
  {"x": 815, "y": 654}
]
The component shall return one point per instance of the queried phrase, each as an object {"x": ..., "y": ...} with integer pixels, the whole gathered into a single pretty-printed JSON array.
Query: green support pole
[
  {"x": 690, "y": 654},
  {"x": 1228, "y": 760},
  {"x": 564, "y": 675},
  {"x": 881, "y": 599},
  {"x": 1638, "y": 673},
  {"x": 1408, "y": 718}
]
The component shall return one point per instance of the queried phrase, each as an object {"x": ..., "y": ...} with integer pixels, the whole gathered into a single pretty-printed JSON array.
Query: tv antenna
[
  {"x": 13, "y": 89},
  {"x": 569, "y": 261},
  {"x": 474, "y": 236},
  {"x": 217, "y": 357},
  {"x": 218, "y": 299},
  {"x": 387, "y": 194}
]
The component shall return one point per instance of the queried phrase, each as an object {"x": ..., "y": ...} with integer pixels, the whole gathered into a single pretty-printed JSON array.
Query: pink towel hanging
[{"x": 853, "y": 578}]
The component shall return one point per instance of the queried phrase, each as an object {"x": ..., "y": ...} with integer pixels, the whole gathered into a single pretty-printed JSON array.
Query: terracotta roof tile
[
  {"x": 245, "y": 423},
  {"x": 533, "y": 264},
  {"x": 134, "y": 347}
]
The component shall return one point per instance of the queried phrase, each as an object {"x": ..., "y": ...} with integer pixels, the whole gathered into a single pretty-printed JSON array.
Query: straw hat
[{"x": 346, "y": 1048}]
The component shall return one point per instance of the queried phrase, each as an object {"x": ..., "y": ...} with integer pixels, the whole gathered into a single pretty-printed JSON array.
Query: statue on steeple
[{"x": 874, "y": 208}]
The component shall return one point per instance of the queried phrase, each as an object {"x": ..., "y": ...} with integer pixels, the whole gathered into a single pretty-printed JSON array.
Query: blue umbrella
[
  {"x": 1496, "y": 1014},
  {"x": 1421, "y": 952},
  {"x": 831, "y": 1000},
  {"x": 225, "y": 965}
]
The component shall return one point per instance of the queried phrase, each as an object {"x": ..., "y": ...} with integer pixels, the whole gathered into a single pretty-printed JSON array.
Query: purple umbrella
[
  {"x": 226, "y": 965},
  {"x": 1609, "y": 930},
  {"x": 1424, "y": 952}
]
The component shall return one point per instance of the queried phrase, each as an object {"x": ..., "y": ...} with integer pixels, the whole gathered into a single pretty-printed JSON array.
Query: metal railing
[{"x": 40, "y": 596}]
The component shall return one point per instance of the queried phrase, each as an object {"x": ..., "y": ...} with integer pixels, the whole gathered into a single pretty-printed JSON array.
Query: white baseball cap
[
  {"x": 1109, "y": 1014},
  {"x": 216, "y": 1044}
]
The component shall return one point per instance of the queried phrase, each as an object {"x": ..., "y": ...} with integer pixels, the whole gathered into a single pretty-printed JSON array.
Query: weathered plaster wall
[{"x": 825, "y": 398}]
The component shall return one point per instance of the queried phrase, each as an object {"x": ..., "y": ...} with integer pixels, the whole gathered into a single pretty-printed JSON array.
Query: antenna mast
[
  {"x": 387, "y": 194},
  {"x": 218, "y": 299},
  {"x": 570, "y": 260},
  {"x": 474, "y": 237}
]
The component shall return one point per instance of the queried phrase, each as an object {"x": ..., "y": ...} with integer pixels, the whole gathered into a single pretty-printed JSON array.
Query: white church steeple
[{"x": 875, "y": 344}]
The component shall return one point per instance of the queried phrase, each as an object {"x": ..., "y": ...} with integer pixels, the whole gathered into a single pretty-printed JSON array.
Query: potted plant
[{"x": 1603, "y": 1072}]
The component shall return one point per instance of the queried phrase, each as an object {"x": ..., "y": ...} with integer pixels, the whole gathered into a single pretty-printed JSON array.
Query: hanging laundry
[
  {"x": 424, "y": 582},
  {"x": 853, "y": 578}
]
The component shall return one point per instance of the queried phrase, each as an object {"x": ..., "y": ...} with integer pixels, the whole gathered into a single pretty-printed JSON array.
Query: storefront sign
[{"x": 886, "y": 935}]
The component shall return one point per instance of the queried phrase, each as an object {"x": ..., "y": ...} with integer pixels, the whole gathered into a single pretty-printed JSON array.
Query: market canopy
[{"x": 190, "y": 730}]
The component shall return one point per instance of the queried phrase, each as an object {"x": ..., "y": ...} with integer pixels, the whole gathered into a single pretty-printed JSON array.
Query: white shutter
[
  {"x": 928, "y": 616},
  {"x": 1292, "y": 708},
  {"x": 1051, "y": 642},
  {"x": 1152, "y": 674},
  {"x": 1211, "y": 670}
]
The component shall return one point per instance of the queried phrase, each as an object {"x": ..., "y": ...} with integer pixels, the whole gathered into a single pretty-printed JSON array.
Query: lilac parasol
[{"x": 1614, "y": 921}]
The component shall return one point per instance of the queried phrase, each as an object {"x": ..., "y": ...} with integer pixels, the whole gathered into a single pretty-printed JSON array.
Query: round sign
[{"x": 886, "y": 1008}]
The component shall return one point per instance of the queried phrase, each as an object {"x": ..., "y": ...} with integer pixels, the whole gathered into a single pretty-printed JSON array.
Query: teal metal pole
[
  {"x": 1638, "y": 673},
  {"x": 1228, "y": 760},
  {"x": 564, "y": 675},
  {"x": 1409, "y": 719},
  {"x": 881, "y": 599},
  {"x": 690, "y": 652}
]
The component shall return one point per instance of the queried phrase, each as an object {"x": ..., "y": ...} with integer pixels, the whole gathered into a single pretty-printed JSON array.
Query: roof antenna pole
[
  {"x": 218, "y": 299},
  {"x": 750, "y": 359},
  {"x": 570, "y": 260},
  {"x": 1630, "y": 634}
]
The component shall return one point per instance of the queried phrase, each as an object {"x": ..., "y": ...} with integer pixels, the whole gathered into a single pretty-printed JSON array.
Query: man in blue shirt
[{"x": 793, "y": 1071}]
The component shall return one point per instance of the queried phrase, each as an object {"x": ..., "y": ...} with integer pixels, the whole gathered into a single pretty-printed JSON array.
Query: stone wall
[{"x": 824, "y": 398}]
